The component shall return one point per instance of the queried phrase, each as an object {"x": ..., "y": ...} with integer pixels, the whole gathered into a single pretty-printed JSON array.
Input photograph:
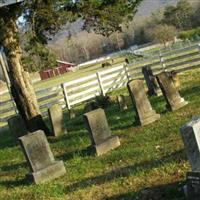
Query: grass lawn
[{"x": 150, "y": 163}]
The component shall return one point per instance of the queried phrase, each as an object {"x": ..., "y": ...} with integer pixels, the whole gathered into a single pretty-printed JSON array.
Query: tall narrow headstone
[
  {"x": 40, "y": 158},
  {"x": 150, "y": 79},
  {"x": 171, "y": 94},
  {"x": 17, "y": 126},
  {"x": 99, "y": 132},
  {"x": 122, "y": 102},
  {"x": 191, "y": 138},
  {"x": 56, "y": 118},
  {"x": 144, "y": 111}
]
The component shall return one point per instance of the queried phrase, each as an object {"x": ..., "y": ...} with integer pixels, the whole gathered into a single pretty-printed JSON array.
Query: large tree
[{"x": 43, "y": 19}]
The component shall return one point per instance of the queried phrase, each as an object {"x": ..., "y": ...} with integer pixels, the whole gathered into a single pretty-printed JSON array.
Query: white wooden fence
[{"x": 79, "y": 90}]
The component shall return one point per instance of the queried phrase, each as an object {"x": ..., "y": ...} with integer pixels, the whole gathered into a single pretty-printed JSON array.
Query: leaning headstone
[
  {"x": 56, "y": 118},
  {"x": 99, "y": 132},
  {"x": 144, "y": 111},
  {"x": 171, "y": 94},
  {"x": 17, "y": 126},
  {"x": 122, "y": 102},
  {"x": 191, "y": 138},
  {"x": 152, "y": 84},
  {"x": 40, "y": 158}
]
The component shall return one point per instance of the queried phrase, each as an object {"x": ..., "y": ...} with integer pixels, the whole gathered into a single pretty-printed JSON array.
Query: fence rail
[{"x": 79, "y": 90}]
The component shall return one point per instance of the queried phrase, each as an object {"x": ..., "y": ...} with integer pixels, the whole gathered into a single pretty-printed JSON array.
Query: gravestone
[
  {"x": 191, "y": 138},
  {"x": 56, "y": 118},
  {"x": 122, "y": 102},
  {"x": 17, "y": 126},
  {"x": 170, "y": 93},
  {"x": 193, "y": 185},
  {"x": 151, "y": 82},
  {"x": 144, "y": 112},
  {"x": 40, "y": 158},
  {"x": 99, "y": 132}
]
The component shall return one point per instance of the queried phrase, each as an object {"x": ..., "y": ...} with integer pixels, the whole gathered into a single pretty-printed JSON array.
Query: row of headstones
[{"x": 36, "y": 148}]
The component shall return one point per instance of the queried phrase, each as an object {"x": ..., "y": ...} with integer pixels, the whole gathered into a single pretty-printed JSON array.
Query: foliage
[
  {"x": 179, "y": 16},
  {"x": 37, "y": 57},
  {"x": 190, "y": 34},
  {"x": 162, "y": 33}
]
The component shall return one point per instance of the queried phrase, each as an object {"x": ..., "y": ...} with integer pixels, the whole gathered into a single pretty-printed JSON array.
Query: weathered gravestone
[
  {"x": 193, "y": 185},
  {"x": 40, "y": 158},
  {"x": 144, "y": 112},
  {"x": 191, "y": 138},
  {"x": 171, "y": 94},
  {"x": 150, "y": 79},
  {"x": 122, "y": 102},
  {"x": 17, "y": 126},
  {"x": 99, "y": 132},
  {"x": 56, "y": 118}
]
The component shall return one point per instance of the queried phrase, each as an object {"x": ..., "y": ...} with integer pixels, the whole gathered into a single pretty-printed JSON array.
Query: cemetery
[
  {"x": 151, "y": 161},
  {"x": 119, "y": 129}
]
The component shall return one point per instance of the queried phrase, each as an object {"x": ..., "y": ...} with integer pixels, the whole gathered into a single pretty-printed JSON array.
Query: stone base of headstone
[
  {"x": 178, "y": 105},
  {"x": 150, "y": 118},
  {"x": 17, "y": 126},
  {"x": 109, "y": 144},
  {"x": 193, "y": 185},
  {"x": 51, "y": 172}
]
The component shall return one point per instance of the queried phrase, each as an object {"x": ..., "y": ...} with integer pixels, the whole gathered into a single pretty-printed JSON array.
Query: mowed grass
[{"x": 150, "y": 163}]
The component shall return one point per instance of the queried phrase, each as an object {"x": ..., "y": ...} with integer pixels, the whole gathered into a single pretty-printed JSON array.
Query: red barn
[{"x": 62, "y": 68}]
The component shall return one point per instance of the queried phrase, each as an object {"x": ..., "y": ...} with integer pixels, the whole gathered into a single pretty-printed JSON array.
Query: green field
[{"x": 150, "y": 163}]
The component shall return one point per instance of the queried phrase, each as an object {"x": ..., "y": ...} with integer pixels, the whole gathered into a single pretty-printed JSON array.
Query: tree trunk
[{"x": 21, "y": 86}]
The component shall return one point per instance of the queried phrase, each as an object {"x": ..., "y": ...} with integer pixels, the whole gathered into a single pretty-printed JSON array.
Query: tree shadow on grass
[
  {"x": 16, "y": 183},
  {"x": 126, "y": 171},
  {"x": 89, "y": 151},
  {"x": 171, "y": 191},
  {"x": 13, "y": 167},
  {"x": 7, "y": 140}
]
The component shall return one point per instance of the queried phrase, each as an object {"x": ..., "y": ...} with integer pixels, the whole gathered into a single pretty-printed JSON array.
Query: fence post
[
  {"x": 100, "y": 84},
  {"x": 162, "y": 62},
  {"x": 126, "y": 71},
  {"x": 65, "y": 96}
]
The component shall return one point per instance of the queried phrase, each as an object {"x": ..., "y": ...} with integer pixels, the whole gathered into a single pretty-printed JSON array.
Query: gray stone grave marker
[
  {"x": 122, "y": 102},
  {"x": 193, "y": 185},
  {"x": 40, "y": 158},
  {"x": 150, "y": 79},
  {"x": 171, "y": 94},
  {"x": 191, "y": 138},
  {"x": 99, "y": 132},
  {"x": 190, "y": 133},
  {"x": 144, "y": 111},
  {"x": 17, "y": 126},
  {"x": 56, "y": 118}
]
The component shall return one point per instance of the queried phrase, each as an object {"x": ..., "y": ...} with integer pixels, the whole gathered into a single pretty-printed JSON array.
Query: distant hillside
[{"x": 144, "y": 10}]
